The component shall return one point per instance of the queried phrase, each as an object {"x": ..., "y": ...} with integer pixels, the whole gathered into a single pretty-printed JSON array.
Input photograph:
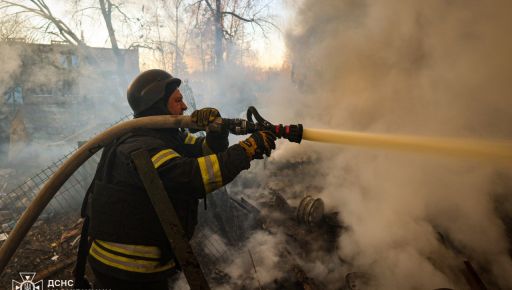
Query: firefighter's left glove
[
  {"x": 259, "y": 143},
  {"x": 204, "y": 117}
]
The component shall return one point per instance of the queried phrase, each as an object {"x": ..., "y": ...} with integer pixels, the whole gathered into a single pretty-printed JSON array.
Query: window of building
[{"x": 70, "y": 61}]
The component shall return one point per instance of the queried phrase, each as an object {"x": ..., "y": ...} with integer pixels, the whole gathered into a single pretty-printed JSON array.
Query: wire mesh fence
[{"x": 68, "y": 198}]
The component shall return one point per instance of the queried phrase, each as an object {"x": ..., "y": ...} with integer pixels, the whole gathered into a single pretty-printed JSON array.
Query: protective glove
[
  {"x": 203, "y": 117},
  {"x": 259, "y": 143}
]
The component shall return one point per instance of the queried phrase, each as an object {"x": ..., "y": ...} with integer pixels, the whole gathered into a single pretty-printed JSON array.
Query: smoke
[
  {"x": 261, "y": 252},
  {"x": 417, "y": 67},
  {"x": 11, "y": 63},
  {"x": 437, "y": 68}
]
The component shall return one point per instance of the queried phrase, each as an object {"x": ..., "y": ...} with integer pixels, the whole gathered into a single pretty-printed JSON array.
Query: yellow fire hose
[{"x": 494, "y": 151}]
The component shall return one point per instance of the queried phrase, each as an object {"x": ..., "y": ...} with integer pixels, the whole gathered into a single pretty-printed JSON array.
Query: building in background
[
  {"x": 60, "y": 73},
  {"x": 60, "y": 88}
]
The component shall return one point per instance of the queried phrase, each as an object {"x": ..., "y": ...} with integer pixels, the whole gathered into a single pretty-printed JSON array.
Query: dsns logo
[{"x": 27, "y": 283}]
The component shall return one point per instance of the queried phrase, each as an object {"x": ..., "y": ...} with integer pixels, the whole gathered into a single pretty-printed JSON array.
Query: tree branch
[
  {"x": 238, "y": 16},
  {"x": 212, "y": 10},
  {"x": 43, "y": 11}
]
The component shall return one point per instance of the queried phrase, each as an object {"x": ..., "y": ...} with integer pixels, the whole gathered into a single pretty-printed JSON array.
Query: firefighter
[{"x": 129, "y": 249}]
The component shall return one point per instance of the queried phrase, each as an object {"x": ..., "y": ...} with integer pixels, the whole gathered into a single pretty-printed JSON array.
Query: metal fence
[{"x": 68, "y": 198}]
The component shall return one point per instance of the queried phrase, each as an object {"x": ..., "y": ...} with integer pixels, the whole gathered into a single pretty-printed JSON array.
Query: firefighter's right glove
[{"x": 259, "y": 143}]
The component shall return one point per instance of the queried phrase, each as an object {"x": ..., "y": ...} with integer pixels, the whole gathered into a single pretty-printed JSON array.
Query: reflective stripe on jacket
[{"x": 132, "y": 258}]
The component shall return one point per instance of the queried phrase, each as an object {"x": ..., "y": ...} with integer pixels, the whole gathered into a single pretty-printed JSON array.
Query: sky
[{"x": 272, "y": 51}]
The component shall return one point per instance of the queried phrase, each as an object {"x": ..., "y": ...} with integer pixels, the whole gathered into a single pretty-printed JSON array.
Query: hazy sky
[{"x": 270, "y": 51}]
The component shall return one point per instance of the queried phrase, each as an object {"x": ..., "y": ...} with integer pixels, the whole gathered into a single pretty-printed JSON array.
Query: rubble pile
[
  {"x": 302, "y": 243},
  {"x": 294, "y": 215},
  {"x": 49, "y": 249}
]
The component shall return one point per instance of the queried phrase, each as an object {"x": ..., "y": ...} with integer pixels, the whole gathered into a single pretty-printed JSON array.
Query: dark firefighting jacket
[{"x": 123, "y": 224}]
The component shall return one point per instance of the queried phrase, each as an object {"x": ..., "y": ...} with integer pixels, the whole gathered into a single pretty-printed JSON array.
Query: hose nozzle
[{"x": 292, "y": 133}]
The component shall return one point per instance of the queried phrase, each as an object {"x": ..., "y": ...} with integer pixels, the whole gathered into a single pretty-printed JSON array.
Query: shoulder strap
[{"x": 169, "y": 221}]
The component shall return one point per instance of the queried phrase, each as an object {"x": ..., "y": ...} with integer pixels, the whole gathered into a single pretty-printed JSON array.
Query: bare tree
[
  {"x": 178, "y": 33},
  {"x": 237, "y": 12},
  {"x": 49, "y": 23},
  {"x": 178, "y": 54},
  {"x": 201, "y": 33},
  {"x": 15, "y": 27},
  {"x": 107, "y": 7},
  {"x": 40, "y": 9}
]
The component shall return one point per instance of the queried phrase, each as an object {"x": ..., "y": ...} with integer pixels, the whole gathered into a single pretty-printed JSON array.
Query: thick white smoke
[{"x": 416, "y": 67}]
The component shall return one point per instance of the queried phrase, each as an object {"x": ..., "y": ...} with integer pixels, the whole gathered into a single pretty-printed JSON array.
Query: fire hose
[{"x": 500, "y": 151}]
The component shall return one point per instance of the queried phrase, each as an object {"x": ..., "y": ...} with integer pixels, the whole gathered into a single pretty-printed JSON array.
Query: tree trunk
[
  {"x": 177, "y": 59},
  {"x": 106, "y": 11},
  {"x": 219, "y": 51}
]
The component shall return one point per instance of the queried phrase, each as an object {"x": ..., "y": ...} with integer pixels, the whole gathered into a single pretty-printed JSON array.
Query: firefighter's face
[{"x": 176, "y": 105}]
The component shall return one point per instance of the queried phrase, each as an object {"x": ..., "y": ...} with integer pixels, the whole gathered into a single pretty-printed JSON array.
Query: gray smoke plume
[{"x": 413, "y": 67}]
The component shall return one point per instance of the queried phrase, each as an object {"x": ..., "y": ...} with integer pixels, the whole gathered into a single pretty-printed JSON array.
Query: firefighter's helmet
[{"x": 149, "y": 87}]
